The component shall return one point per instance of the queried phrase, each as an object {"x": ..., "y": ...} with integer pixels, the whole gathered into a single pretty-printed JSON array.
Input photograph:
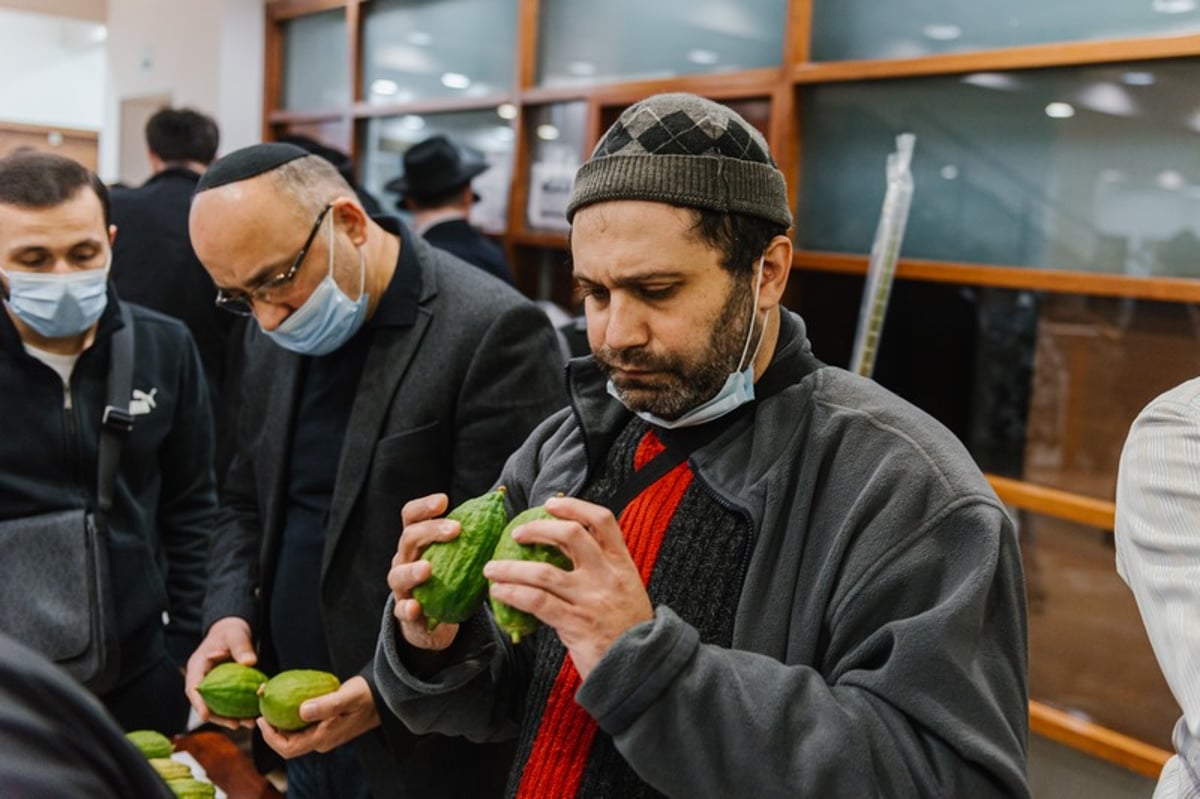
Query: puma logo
[{"x": 142, "y": 403}]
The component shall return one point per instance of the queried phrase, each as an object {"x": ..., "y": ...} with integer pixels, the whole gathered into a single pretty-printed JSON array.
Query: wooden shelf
[
  {"x": 1096, "y": 741},
  {"x": 1162, "y": 289}
]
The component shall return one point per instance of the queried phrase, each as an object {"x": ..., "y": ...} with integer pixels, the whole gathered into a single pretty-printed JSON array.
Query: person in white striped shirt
[{"x": 1158, "y": 556}]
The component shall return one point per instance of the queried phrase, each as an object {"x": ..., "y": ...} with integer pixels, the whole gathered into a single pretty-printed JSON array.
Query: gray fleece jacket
[{"x": 879, "y": 647}]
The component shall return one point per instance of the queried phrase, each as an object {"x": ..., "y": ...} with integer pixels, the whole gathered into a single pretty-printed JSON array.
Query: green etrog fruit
[
  {"x": 231, "y": 690},
  {"x": 280, "y": 697},
  {"x": 457, "y": 587},
  {"x": 151, "y": 743},
  {"x": 518, "y": 623}
]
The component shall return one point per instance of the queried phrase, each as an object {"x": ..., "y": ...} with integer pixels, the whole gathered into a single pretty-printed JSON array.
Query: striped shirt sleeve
[{"x": 1158, "y": 556}]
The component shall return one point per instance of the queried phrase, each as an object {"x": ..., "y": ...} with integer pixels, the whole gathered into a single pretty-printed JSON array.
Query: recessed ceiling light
[
  {"x": 950, "y": 172},
  {"x": 1060, "y": 110},
  {"x": 506, "y": 111},
  {"x": 411, "y": 122},
  {"x": 1170, "y": 180},
  {"x": 581, "y": 69},
  {"x": 1173, "y": 6},
  {"x": 455, "y": 80},
  {"x": 1138, "y": 78},
  {"x": 384, "y": 87},
  {"x": 942, "y": 33},
  {"x": 547, "y": 132}
]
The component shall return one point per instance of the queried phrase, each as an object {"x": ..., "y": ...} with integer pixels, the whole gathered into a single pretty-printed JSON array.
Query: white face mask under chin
[{"x": 737, "y": 390}]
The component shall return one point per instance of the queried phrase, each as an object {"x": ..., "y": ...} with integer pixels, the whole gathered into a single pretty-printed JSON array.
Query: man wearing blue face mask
[
  {"x": 786, "y": 581},
  {"x": 56, "y": 350},
  {"x": 377, "y": 369}
]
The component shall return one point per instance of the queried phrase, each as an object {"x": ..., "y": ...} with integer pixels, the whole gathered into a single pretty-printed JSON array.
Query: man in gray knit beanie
[{"x": 785, "y": 581}]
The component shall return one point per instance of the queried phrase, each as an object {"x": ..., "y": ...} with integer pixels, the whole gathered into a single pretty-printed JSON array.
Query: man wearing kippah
[
  {"x": 786, "y": 582},
  {"x": 377, "y": 369}
]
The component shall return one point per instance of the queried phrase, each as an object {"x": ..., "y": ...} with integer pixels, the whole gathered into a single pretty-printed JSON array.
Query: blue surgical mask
[
  {"x": 328, "y": 318},
  {"x": 737, "y": 391},
  {"x": 58, "y": 305}
]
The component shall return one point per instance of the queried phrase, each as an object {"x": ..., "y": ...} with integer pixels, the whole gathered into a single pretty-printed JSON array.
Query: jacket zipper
[{"x": 744, "y": 561}]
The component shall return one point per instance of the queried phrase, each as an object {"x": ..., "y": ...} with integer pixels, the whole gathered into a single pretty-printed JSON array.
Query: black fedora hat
[{"x": 433, "y": 167}]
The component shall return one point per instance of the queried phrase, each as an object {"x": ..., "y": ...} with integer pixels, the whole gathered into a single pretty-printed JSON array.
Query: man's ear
[
  {"x": 112, "y": 234},
  {"x": 350, "y": 217},
  {"x": 777, "y": 267}
]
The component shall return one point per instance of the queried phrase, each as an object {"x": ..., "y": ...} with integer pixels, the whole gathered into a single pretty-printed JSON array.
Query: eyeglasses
[{"x": 242, "y": 302}]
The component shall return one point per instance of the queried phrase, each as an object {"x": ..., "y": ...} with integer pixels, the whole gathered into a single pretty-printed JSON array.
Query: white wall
[
  {"x": 51, "y": 70},
  {"x": 206, "y": 54}
]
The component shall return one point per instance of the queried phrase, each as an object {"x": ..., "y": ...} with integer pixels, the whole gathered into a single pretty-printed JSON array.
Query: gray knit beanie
[{"x": 684, "y": 150}]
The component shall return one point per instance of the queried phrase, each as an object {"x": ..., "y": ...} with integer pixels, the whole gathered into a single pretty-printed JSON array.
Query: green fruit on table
[
  {"x": 192, "y": 789},
  {"x": 456, "y": 587},
  {"x": 280, "y": 697},
  {"x": 231, "y": 690},
  {"x": 170, "y": 769},
  {"x": 151, "y": 743},
  {"x": 517, "y": 623}
]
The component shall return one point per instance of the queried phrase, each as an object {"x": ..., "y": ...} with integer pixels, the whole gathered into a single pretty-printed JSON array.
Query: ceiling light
[
  {"x": 1060, "y": 110},
  {"x": 992, "y": 80},
  {"x": 1138, "y": 79},
  {"x": 942, "y": 33},
  {"x": 455, "y": 80},
  {"x": 411, "y": 122},
  {"x": 384, "y": 87},
  {"x": 950, "y": 172},
  {"x": 547, "y": 132},
  {"x": 1170, "y": 180},
  {"x": 581, "y": 69},
  {"x": 703, "y": 57},
  {"x": 506, "y": 111},
  {"x": 1173, "y": 6}
]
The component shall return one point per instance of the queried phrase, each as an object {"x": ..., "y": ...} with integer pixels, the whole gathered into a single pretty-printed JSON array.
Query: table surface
[{"x": 227, "y": 766}]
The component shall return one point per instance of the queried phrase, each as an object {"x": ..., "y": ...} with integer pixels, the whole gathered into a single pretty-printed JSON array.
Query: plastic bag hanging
[{"x": 885, "y": 251}]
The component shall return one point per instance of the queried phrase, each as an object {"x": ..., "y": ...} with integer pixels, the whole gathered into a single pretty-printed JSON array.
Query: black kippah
[{"x": 248, "y": 162}]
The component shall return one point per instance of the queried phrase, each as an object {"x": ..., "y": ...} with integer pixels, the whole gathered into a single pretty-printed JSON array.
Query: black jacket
[
  {"x": 164, "y": 502},
  {"x": 441, "y": 403},
  {"x": 154, "y": 265},
  {"x": 458, "y": 237}
]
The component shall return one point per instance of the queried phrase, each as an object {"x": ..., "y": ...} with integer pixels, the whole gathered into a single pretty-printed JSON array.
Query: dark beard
[{"x": 679, "y": 385}]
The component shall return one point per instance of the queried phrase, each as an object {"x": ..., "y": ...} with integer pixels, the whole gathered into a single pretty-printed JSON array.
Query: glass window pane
[
  {"x": 581, "y": 42},
  {"x": 414, "y": 49},
  {"x": 1088, "y": 650},
  {"x": 852, "y": 29},
  {"x": 316, "y": 69},
  {"x": 486, "y": 132},
  {"x": 1039, "y": 386},
  {"x": 1094, "y": 169},
  {"x": 556, "y": 137}
]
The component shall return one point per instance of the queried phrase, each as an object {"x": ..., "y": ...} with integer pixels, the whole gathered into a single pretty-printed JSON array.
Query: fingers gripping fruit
[
  {"x": 457, "y": 587},
  {"x": 518, "y": 623},
  {"x": 280, "y": 697}
]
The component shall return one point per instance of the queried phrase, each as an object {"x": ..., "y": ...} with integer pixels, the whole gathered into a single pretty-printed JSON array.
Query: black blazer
[
  {"x": 458, "y": 237},
  {"x": 440, "y": 406}
]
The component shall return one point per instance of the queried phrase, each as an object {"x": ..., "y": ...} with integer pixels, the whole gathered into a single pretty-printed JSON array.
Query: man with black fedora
[{"x": 436, "y": 189}]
